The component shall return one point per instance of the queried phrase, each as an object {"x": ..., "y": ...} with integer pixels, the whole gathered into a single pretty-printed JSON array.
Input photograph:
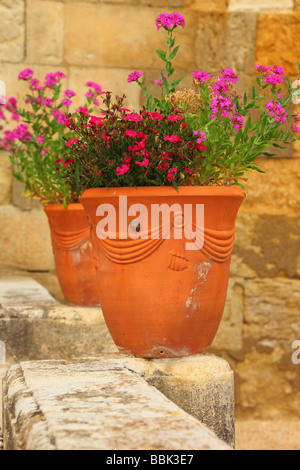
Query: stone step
[
  {"x": 34, "y": 326},
  {"x": 100, "y": 403}
]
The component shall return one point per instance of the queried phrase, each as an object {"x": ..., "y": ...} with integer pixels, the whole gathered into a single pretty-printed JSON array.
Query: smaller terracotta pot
[{"x": 70, "y": 235}]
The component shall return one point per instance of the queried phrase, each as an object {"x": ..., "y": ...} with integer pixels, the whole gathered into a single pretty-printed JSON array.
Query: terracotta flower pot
[
  {"x": 160, "y": 299},
  {"x": 71, "y": 244}
]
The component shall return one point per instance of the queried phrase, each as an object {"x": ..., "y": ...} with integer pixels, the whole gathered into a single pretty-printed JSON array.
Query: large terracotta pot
[
  {"x": 71, "y": 244},
  {"x": 158, "y": 298}
]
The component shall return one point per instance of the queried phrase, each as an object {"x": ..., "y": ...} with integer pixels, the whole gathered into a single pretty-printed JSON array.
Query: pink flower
[
  {"x": 45, "y": 151},
  {"x": 96, "y": 121},
  {"x": 201, "y": 136},
  {"x": 191, "y": 172},
  {"x": 201, "y": 76},
  {"x": 96, "y": 86},
  {"x": 69, "y": 93},
  {"x": 134, "y": 76},
  {"x": 145, "y": 162},
  {"x": 48, "y": 102},
  {"x": 22, "y": 133},
  {"x": 278, "y": 70},
  {"x": 59, "y": 75},
  {"x": 171, "y": 173},
  {"x": 169, "y": 21},
  {"x": 174, "y": 117},
  {"x": 68, "y": 161},
  {"x": 273, "y": 79},
  {"x": 155, "y": 116},
  {"x": 276, "y": 111},
  {"x": 173, "y": 138},
  {"x": 66, "y": 102},
  {"x": 71, "y": 142},
  {"x": 130, "y": 133},
  {"x": 124, "y": 169},
  {"x": 229, "y": 75},
  {"x": 50, "y": 80},
  {"x": 83, "y": 111},
  {"x": 132, "y": 117},
  {"x": 35, "y": 84},
  {"x": 237, "y": 121},
  {"x": 26, "y": 74},
  {"x": 60, "y": 117},
  {"x": 158, "y": 81},
  {"x": 58, "y": 161},
  {"x": 262, "y": 68},
  {"x": 40, "y": 139}
]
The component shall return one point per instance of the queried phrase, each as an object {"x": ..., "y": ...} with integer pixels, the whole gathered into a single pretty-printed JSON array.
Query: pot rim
[
  {"x": 72, "y": 206},
  {"x": 234, "y": 191}
]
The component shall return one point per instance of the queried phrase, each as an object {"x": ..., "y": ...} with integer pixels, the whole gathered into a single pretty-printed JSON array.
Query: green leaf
[
  {"x": 161, "y": 55},
  {"x": 174, "y": 52}
]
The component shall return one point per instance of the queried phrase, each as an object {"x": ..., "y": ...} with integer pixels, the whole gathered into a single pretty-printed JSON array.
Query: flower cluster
[
  {"x": 201, "y": 136},
  {"x": 169, "y": 21},
  {"x": 138, "y": 149},
  {"x": 37, "y": 140}
]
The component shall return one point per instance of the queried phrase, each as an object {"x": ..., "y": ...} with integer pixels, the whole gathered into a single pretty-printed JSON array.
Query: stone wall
[{"x": 104, "y": 41}]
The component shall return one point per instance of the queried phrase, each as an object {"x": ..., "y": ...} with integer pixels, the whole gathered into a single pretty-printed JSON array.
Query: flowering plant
[
  {"x": 38, "y": 141},
  {"x": 205, "y": 135}
]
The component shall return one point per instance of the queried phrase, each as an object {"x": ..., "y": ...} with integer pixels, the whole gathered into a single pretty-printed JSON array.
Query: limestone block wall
[{"x": 105, "y": 40}]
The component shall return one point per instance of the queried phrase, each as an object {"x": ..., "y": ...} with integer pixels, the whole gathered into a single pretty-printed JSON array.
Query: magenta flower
[
  {"x": 124, "y": 169},
  {"x": 60, "y": 160},
  {"x": 83, "y": 111},
  {"x": 40, "y": 139},
  {"x": 134, "y": 76},
  {"x": 130, "y": 133},
  {"x": 71, "y": 142},
  {"x": 201, "y": 136},
  {"x": 50, "y": 80},
  {"x": 229, "y": 75},
  {"x": 69, "y": 93},
  {"x": 43, "y": 152},
  {"x": 132, "y": 117},
  {"x": 60, "y": 117},
  {"x": 48, "y": 102},
  {"x": 145, "y": 162},
  {"x": 22, "y": 133},
  {"x": 26, "y": 74},
  {"x": 35, "y": 84},
  {"x": 68, "y": 161},
  {"x": 276, "y": 111},
  {"x": 171, "y": 173},
  {"x": 66, "y": 102},
  {"x": 174, "y": 117},
  {"x": 96, "y": 86},
  {"x": 201, "y": 76},
  {"x": 173, "y": 138},
  {"x": 237, "y": 121},
  {"x": 169, "y": 21}
]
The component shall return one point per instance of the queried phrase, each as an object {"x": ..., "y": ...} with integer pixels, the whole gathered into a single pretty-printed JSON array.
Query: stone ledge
[
  {"x": 98, "y": 403},
  {"x": 34, "y": 326}
]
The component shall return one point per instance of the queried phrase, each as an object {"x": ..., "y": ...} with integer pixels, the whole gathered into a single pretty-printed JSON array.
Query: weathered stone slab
[
  {"x": 3, "y": 370},
  {"x": 202, "y": 385},
  {"x": 94, "y": 404},
  {"x": 23, "y": 293}
]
